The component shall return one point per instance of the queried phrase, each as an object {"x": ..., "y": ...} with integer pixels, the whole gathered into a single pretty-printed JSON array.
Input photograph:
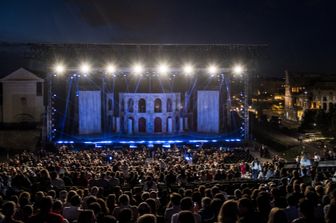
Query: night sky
[{"x": 301, "y": 34}]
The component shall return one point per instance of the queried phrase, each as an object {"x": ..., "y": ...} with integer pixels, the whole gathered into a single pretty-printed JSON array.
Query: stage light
[
  {"x": 137, "y": 68},
  {"x": 188, "y": 69},
  {"x": 238, "y": 69},
  {"x": 85, "y": 68},
  {"x": 59, "y": 69},
  {"x": 163, "y": 68},
  {"x": 110, "y": 68},
  {"x": 212, "y": 69}
]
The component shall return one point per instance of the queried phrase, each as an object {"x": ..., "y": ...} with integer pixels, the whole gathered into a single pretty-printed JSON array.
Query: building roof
[
  {"x": 330, "y": 85},
  {"x": 21, "y": 74}
]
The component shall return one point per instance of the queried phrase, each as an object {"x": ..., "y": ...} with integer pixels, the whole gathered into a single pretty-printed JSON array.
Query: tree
[
  {"x": 308, "y": 119},
  {"x": 321, "y": 120}
]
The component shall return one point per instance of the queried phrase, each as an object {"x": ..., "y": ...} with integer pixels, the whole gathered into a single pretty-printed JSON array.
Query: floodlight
[
  {"x": 238, "y": 69},
  {"x": 163, "y": 68},
  {"x": 85, "y": 68},
  {"x": 212, "y": 69},
  {"x": 188, "y": 69},
  {"x": 138, "y": 68},
  {"x": 110, "y": 68},
  {"x": 59, "y": 69}
]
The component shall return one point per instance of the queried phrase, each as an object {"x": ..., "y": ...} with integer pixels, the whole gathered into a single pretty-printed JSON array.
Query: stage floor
[{"x": 188, "y": 138}]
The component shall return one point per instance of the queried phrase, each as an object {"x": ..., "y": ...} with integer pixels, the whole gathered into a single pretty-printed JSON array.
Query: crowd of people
[{"x": 161, "y": 185}]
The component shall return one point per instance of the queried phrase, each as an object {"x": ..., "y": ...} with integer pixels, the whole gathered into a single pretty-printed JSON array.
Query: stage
[
  {"x": 149, "y": 103},
  {"x": 166, "y": 140}
]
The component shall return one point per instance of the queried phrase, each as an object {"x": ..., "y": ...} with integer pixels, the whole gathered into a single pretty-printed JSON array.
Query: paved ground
[
  {"x": 291, "y": 146},
  {"x": 256, "y": 154}
]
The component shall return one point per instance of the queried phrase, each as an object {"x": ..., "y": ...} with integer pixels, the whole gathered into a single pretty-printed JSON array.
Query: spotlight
[
  {"x": 212, "y": 69},
  {"x": 188, "y": 69},
  {"x": 238, "y": 69},
  {"x": 59, "y": 69},
  {"x": 85, "y": 68},
  {"x": 110, "y": 69},
  {"x": 163, "y": 68},
  {"x": 138, "y": 68}
]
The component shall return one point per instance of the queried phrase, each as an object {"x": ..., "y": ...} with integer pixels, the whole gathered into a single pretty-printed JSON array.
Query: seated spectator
[
  {"x": 186, "y": 216},
  {"x": 147, "y": 218},
  {"x": 56, "y": 182},
  {"x": 125, "y": 216},
  {"x": 27, "y": 212},
  {"x": 331, "y": 214},
  {"x": 277, "y": 215},
  {"x": 109, "y": 219},
  {"x": 229, "y": 212},
  {"x": 206, "y": 213},
  {"x": 306, "y": 208},
  {"x": 247, "y": 213},
  {"x": 111, "y": 203},
  {"x": 45, "y": 214},
  {"x": 86, "y": 216},
  {"x": 186, "y": 205},
  {"x": 174, "y": 207},
  {"x": 144, "y": 208},
  {"x": 124, "y": 204},
  {"x": 8, "y": 209},
  {"x": 292, "y": 211}
]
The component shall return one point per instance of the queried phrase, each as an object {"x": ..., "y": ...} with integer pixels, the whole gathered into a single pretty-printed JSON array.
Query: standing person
[
  {"x": 256, "y": 168},
  {"x": 243, "y": 168},
  {"x": 305, "y": 164}
]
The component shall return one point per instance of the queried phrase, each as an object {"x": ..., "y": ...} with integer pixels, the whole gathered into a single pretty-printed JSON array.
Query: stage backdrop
[
  {"x": 208, "y": 111},
  {"x": 89, "y": 112}
]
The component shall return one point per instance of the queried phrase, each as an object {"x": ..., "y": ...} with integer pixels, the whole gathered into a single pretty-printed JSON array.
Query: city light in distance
[
  {"x": 137, "y": 69},
  {"x": 59, "y": 68},
  {"x": 85, "y": 68},
  {"x": 188, "y": 69}
]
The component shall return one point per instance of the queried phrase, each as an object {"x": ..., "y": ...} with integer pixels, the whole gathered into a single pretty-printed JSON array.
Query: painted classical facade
[{"x": 149, "y": 112}]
